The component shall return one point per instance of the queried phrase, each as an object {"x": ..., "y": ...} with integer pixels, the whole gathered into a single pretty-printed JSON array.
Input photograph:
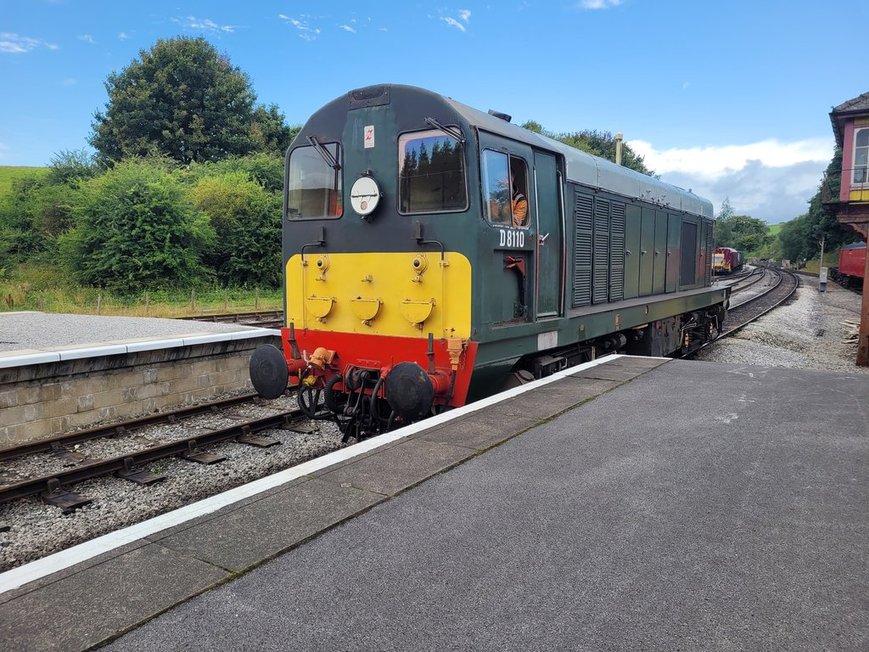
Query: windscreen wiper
[
  {"x": 453, "y": 132},
  {"x": 324, "y": 153}
]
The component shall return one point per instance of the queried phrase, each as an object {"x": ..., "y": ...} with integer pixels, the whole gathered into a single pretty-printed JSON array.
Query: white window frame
[{"x": 854, "y": 166}]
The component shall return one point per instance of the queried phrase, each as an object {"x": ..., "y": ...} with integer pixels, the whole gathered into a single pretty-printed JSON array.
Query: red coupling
[{"x": 440, "y": 380}]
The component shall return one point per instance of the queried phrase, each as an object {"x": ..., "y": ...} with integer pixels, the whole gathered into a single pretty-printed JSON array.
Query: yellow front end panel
[
  {"x": 395, "y": 294},
  {"x": 859, "y": 195}
]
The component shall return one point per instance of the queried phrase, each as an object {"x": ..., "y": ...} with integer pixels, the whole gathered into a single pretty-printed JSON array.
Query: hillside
[{"x": 9, "y": 173}]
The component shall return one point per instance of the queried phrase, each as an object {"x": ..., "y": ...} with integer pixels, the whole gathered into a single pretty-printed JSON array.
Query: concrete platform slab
[
  {"x": 559, "y": 396},
  {"x": 88, "y": 607},
  {"x": 244, "y": 537},
  {"x": 480, "y": 430},
  {"x": 398, "y": 467}
]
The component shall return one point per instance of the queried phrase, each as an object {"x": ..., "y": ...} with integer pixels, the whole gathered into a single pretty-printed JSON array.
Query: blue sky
[{"x": 727, "y": 97}]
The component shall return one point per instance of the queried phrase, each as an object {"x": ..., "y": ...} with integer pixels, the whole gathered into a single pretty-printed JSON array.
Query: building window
[
  {"x": 431, "y": 176},
  {"x": 314, "y": 182},
  {"x": 505, "y": 202},
  {"x": 861, "y": 157}
]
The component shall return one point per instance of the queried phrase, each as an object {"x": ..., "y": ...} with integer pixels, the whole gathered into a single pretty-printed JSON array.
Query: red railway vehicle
[
  {"x": 726, "y": 260},
  {"x": 852, "y": 264}
]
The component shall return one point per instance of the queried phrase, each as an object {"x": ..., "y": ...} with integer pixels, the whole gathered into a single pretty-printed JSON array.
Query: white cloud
[
  {"x": 306, "y": 32},
  {"x": 16, "y": 44},
  {"x": 599, "y": 4},
  {"x": 69, "y": 81},
  {"x": 347, "y": 28},
  {"x": 465, "y": 14},
  {"x": 769, "y": 179},
  {"x": 123, "y": 36},
  {"x": 87, "y": 38},
  {"x": 713, "y": 162},
  {"x": 204, "y": 24},
  {"x": 452, "y": 22}
]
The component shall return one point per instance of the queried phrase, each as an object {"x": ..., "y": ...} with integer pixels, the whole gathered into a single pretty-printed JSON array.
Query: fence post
[
  {"x": 193, "y": 301},
  {"x": 99, "y": 302},
  {"x": 147, "y": 302},
  {"x": 256, "y": 299}
]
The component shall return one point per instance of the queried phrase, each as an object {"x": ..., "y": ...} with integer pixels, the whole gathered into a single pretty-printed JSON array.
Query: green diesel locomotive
[{"x": 434, "y": 253}]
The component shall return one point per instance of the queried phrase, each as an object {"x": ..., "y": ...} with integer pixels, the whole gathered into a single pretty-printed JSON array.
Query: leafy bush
[
  {"x": 70, "y": 167},
  {"x": 32, "y": 214},
  {"x": 265, "y": 169},
  {"x": 246, "y": 220},
  {"x": 136, "y": 228}
]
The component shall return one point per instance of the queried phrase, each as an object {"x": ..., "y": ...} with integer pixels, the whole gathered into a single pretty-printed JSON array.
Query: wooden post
[
  {"x": 99, "y": 302},
  {"x": 193, "y": 301},
  {"x": 863, "y": 335},
  {"x": 147, "y": 301}
]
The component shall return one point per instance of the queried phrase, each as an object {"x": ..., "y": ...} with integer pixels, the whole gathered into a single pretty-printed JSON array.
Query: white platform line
[{"x": 16, "y": 577}]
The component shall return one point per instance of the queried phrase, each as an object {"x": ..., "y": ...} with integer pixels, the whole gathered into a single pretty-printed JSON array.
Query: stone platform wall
[{"x": 44, "y": 400}]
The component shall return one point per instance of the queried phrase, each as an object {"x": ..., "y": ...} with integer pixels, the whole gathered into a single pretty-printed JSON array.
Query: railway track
[
  {"x": 66, "y": 462},
  {"x": 261, "y": 318},
  {"x": 748, "y": 280},
  {"x": 753, "y": 308}
]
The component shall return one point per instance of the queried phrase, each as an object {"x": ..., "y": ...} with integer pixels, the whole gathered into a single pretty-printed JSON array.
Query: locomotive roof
[
  {"x": 581, "y": 167},
  {"x": 590, "y": 170},
  {"x": 855, "y": 245}
]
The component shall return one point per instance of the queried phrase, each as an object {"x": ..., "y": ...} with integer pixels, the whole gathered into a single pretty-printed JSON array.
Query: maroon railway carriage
[
  {"x": 852, "y": 265},
  {"x": 726, "y": 260}
]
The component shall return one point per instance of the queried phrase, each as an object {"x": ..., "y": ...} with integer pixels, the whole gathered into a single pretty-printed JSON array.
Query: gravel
[
  {"x": 806, "y": 333},
  {"x": 37, "y": 529}
]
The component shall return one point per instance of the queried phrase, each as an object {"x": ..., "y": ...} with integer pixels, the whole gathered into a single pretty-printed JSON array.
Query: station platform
[
  {"x": 629, "y": 503},
  {"x": 60, "y": 372}
]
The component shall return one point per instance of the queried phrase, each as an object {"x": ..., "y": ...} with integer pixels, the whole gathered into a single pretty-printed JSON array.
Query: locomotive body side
[{"x": 415, "y": 281}]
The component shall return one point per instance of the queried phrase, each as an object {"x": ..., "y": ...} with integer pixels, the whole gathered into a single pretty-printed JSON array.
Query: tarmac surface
[
  {"x": 637, "y": 504},
  {"x": 27, "y": 335}
]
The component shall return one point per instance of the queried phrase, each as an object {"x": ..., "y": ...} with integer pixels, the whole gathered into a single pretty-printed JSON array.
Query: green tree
[
  {"x": 136, "y": 228},
  {"x": 795, "y": 239},
  {"x": 269, "y": 131},
  {"x": 742, "y": 232},
  {"x": 181, "y": 99},
  {"x": 603, "y": 144},
  {"x": 800, "y": 237},
  {"x": 246, "y": 219},
  {"x": 597, "y": 143}
]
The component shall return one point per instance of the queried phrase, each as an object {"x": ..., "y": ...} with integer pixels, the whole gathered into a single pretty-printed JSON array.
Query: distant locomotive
[
  {"x": 726, "y": 260},
  {"x": 852, "y": 266},
  {"x": 434, "y": 254}
]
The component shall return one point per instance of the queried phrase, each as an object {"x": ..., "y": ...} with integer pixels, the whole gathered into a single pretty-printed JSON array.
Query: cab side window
[{"x": 505, "y": 188}]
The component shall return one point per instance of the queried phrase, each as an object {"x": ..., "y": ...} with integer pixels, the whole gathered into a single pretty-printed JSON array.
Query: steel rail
[
  {"x": 788, "y": 294},
  {"x": 113, "y": 430},
  {"x": 739, "y": 286},
  {"x": 45, "y": 484},
  {"x": 246, "y": 318}
]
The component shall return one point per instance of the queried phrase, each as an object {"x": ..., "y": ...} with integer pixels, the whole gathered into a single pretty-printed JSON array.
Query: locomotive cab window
[
  {"x": 314, "y": 182},
  {"x": 431, "y": 173},
  {"x": 505, "y": 189}
]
